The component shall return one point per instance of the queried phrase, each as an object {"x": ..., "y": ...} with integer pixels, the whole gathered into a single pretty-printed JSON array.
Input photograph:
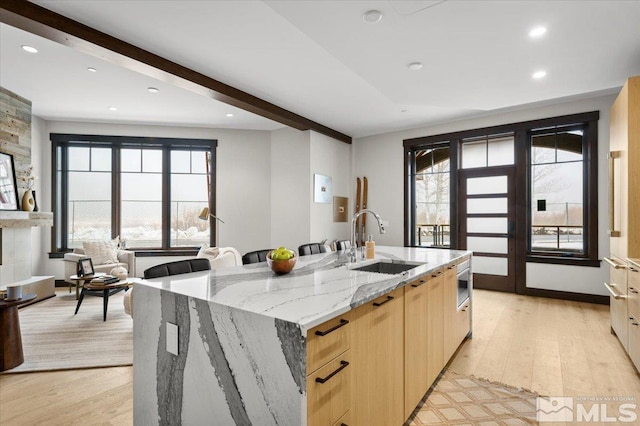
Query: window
[
  {"x": 559, "y": 187},
  {"x": 149, "y": 191},
  {"x": 432, "y": 196}
]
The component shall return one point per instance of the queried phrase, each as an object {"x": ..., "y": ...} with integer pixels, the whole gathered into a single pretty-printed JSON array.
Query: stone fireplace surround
[{"x": 16, "y": 253}]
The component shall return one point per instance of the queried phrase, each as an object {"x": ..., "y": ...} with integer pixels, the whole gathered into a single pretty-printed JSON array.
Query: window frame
[
  {"x": 59, "y": 201},
  {"x": 523, "y": 200}
]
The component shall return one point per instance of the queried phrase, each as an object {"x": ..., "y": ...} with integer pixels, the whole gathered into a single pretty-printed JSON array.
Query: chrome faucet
[{"x": 354, "y": 245}]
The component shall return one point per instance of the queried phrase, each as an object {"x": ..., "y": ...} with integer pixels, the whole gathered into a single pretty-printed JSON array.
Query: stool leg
[
  {"x": 105, "y": 303},
  {"x": 79, "y": 301}
]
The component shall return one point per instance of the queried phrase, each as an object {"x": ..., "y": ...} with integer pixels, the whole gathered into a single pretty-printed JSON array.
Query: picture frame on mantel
[{"x": 8, "y": 185}]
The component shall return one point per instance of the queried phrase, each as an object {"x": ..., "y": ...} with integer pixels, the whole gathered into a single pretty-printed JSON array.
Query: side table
[
  {"x": 10, "y": 338},
  {"x": 81, "y": 280}
]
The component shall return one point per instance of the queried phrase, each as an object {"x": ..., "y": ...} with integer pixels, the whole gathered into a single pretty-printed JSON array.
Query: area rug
[
  {"x": 53, "y": 338},
  {"x": 463, "y": 400}
]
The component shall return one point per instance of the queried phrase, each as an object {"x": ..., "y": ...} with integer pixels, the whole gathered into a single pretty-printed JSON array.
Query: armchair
[{"x": 126, "y": 259}]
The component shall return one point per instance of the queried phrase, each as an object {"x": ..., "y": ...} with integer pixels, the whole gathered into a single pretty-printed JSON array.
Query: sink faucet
[{"x": 354, "y": 244}]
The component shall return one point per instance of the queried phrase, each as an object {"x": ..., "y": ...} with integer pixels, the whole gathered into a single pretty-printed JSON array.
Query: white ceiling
[{"x": 320, "y": 59}]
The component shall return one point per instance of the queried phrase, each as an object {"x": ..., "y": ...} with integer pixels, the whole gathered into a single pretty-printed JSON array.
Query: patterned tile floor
[{"x": 462, "y": 400}]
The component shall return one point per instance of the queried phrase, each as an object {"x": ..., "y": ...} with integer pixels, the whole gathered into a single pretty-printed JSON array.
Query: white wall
[
  {"x": 243, "y": 182},
  {"x": 290, "y": 189},
  {"x": 329, "y": 157},
  {"x": 380, "y": 158}
]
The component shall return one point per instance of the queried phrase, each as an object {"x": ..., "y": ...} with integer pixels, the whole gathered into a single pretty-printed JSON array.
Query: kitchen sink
[{"x": 387, "y": 267}]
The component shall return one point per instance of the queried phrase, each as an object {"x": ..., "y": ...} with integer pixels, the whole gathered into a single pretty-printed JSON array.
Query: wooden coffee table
[
  {"x": 11, "y": 354},
  {"x": 104, "y": 291},
  {"x": 81, "y": 280}
]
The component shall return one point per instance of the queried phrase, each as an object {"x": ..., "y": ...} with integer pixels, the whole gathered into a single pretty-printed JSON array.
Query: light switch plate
[{"x": 172, "y": 338}]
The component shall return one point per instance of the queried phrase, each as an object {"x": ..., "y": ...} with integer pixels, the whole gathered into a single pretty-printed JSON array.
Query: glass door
[{"x": 486, "y": 222}]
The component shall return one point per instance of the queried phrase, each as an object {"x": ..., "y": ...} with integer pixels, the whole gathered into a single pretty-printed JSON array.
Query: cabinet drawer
[
  {"x": 634, "y": 341},
  {"x": 329, "y": 392},
  {"x": 633, "y": 287},
  {"x": 327, "y": 341},
  {"x": 462, "y": 322}
]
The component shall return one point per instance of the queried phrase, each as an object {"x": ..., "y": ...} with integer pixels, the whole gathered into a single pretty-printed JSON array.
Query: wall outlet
[{"x": 172, "y": 338}]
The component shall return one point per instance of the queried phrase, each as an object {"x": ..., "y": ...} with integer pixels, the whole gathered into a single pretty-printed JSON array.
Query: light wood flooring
[{"x": 552, "y": 347}]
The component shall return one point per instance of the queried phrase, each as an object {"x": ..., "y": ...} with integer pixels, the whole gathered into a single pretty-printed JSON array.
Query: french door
[{"x": 486, "y": 217}]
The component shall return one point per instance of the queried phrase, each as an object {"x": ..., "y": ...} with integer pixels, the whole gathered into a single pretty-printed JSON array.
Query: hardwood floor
[{"x": 553, "y": 347}]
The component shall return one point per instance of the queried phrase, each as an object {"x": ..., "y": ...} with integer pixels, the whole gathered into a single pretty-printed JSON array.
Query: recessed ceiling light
[
  {"x": 415, "y": 66},
  {"x": 539, "y": 74},
  {"x": 112, "y": 108},
  {"x": 29, "y": 49},
  {"x": 153, "y": 89},
  {"x": 229, "y": 115},
  {"x": 92, "y": 69},
  {"x": 537, "y": 32},
  {"x": 372, "y": 16}
]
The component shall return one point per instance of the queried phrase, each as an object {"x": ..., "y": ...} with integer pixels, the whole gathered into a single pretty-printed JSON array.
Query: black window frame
[
  {"x": 59, "y": 196},
  {"x": 521, "y": 132}
]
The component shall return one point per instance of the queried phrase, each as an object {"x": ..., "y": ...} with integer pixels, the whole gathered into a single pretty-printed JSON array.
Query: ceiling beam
[{"x": 53, "y": 26}]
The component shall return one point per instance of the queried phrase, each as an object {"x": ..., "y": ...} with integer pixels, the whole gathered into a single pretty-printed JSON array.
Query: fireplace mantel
[{"x": 20, "y": 219}]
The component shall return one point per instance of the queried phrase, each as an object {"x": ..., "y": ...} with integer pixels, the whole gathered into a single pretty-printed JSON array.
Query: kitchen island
[{"x": 248, "y": 342}]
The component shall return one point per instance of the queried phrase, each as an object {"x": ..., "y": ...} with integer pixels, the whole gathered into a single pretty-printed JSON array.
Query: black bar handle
[
  {"x": 342, "y": 323},
  {"x": 418, "y": 285},
  {"x": 343, "y": 364},
  {"x": 388, "y": 299},
  {"x": 437, "y": 274}
]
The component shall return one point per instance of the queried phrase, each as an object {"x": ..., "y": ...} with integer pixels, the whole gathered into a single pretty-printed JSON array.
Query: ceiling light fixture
[
  {"x": 539, "y": 74},
  {"x": 153, "y": 89},
  {"x": 415, "y": 66},
  {"x": 29, "y": 49},
  {"x": 229, "y": 115},
  {"x": 372, "y": 16},
  {"x": 537, "y": 32},
  {"x": 112, "y": 108},
  {"x": 92, "y": 69}
]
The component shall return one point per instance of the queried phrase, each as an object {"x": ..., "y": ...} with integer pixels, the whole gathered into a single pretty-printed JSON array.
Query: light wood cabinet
[
  {"x": 634, "y": 340},
  {"x": 435, "y": 326},
  {"x": 451, "y": 342},
  {"x": 344, "y": 420},
  {"x": 378, "y": 361},
  {"x": 415, "y": 343},
  {"x": 624, "y": 212},
  {"x": 329, "y": 391},
  {"x": 328, "y": 371}
]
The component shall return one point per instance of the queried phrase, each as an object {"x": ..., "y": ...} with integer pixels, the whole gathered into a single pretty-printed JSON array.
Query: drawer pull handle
[
  {"x": 437, "y": 274},
  {"x": 418, "y": 285},
  {"x": 615, "y": 264},
  {"x": 633, "y": 321},
  {"x": 343, "y": 364},
  {"x": 342, "y": 323},
  {"x": 388, "y": 299},
  {"x": 451, "y": 266},
  {"x": 614, "y": 293},
  {"x": 633, "y": 290},
  {"x": 632, "y": 269},
  {"x": 464, "y": 309}
]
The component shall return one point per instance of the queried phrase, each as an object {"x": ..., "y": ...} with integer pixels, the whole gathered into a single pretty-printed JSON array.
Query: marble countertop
[{"x": 319, "y": 288}]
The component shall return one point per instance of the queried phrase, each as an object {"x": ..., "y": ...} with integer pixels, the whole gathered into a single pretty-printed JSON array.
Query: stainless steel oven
[{"x": 464, "y": 276}]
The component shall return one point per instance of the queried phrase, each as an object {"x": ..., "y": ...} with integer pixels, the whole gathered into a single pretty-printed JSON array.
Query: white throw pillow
[
  {"x": 208, "y": 252},
  {"x": 101, "y": 252}
]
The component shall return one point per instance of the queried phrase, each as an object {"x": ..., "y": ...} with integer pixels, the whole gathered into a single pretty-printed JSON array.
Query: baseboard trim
[{"x": 566, "y": 295}]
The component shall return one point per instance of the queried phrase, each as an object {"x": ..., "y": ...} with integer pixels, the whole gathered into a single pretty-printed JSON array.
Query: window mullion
[{"x": 166, "y": 198}]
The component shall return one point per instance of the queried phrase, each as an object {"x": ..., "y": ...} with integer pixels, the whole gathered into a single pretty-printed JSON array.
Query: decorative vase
[
  {"x": 35, "y": 201},
  {"x": 28, "y": 202}
]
